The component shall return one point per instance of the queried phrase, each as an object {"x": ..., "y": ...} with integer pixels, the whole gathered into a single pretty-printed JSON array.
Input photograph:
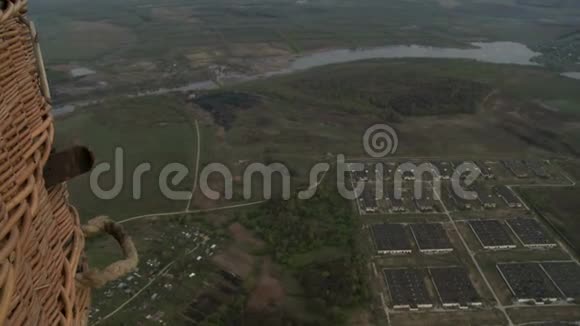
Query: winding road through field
[
  {"x": 187, "y": 211},
  {"x": 197, "y": 160}
]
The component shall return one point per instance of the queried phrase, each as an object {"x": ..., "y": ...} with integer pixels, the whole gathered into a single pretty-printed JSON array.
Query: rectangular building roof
[
  {"x": 407, "y": 287},
  {"x": 517, "y": 167},
  {"x": 390, "y": 237},
  {"x": 529, "y": 231},
  {"x": 507, "y": 194},
  {"x": 445, "y": 169},
  {"x": 527, "y": 281},
  {"x": 431, "y": 236},
  {"x": 566, "y": 276},
  {"x": 454, "y": 286},
  {"x": 491, "y": 233}
]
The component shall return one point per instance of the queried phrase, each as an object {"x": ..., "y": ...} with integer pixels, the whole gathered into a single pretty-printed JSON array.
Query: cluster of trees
[
  {"x": 392, "y": 97},
  {"x": 337, "y": 283},
  {"x": 223, "y": 106},
  {"x": 296, "y": 227},
  {"x": 446, "y": 96}
]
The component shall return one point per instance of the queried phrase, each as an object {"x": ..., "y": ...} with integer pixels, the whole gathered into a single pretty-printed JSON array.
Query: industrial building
[
  {"x": 508, "y": 196},
  {"x": 360, "y": 175},
  {"x": 454, "y": 287},
  {"x": 485, "y": 170},
  {"x": 530, "y": 233},
  {"x": 391, "y": 239},
  {"x": 445, "y": 169},
  {"x": 431, "y": 238},
  {"x": 566, "y": 277},
  {"x": 528, "y": 283},
  {"x": 457, "y": 201},
  {"x": 369, "y": 200},
  {"x": 492, "y": 234},
  {"x": 517, "y": 168},
  {"x": 485, "y": 197},
  {"x": 398, "y": 205},
  {"x": 425, "y": 204},
  {"x": 407, "y": 289}
]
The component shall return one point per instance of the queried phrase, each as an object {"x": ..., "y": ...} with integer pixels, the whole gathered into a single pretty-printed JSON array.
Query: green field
[
  {"x": 301, "y": 262},
  {"x": 316, "y": 24},
  {"x": 157, "y": 131},
  {"x": 559, "y": 207},
  {"x": 482, "y": 110},
  {"x": 134, "y": 45}
]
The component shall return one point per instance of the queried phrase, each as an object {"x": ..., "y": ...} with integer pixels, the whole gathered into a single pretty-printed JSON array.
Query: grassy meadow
[
  {"x": 299, "y": 120},
  {"x": 146, "y": 44}
]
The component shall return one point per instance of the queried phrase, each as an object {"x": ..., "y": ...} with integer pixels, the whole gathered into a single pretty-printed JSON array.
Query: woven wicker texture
[{"x": 40, "y": 233}]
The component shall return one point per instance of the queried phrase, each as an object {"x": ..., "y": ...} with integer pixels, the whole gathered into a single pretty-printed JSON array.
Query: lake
[
  {"x": 491, "y": 52},
  {"x": 494, "y": 52}
]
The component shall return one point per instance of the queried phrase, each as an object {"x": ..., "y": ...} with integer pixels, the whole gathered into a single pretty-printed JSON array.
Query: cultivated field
[
  {"x": 301, "y": 254},
  {"x": 147, "y": 44}
]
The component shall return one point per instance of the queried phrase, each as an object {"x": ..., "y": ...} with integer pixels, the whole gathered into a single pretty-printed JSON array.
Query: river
[
  {"x": 491, "y": 52},
  {"x": 574, "y": 75}
]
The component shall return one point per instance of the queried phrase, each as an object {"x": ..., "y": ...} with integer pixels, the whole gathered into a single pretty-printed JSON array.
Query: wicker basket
[{"x": 40, "y": 233}]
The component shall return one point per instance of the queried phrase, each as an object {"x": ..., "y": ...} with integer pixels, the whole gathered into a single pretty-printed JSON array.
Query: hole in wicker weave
[{"x": 80, "y": 268}]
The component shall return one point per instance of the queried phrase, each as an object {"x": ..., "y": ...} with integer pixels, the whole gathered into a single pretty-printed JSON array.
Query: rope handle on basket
[{"x": 98, "y": 278}]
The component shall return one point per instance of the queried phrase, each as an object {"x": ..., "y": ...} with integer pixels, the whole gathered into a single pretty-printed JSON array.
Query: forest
[{"x": 316, "y": 240}]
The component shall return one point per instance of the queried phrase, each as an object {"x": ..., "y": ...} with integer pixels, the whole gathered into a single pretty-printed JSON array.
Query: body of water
[
  {"x": 494, "y": 52},
  {"x": 81, "y": 72},
  {"x": 491, "y": 52},
  {"x": 575, "y": 75}
]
